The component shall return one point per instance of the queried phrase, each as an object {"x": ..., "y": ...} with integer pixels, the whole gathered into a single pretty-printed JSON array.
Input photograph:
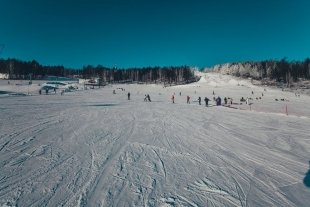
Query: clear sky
[{"x": 127, "y": 33}]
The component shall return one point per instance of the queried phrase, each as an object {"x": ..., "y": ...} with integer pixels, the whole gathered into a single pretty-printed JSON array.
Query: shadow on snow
[{"x": 103, "y": 105}]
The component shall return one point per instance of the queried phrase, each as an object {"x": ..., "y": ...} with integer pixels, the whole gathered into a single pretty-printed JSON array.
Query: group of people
[
  {"x": 47, "y": 90},
  {"x": 218, "y": 100},
  {"x": 188, "y": 98},
  {"x": 146, "y": 97}
]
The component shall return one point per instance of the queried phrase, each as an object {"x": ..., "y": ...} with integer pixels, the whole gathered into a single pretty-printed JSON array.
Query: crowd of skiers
[{"x": 217, "y": 100}]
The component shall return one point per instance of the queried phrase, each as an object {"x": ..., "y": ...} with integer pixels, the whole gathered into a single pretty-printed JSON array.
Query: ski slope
[{"x": 96, "y": 148}]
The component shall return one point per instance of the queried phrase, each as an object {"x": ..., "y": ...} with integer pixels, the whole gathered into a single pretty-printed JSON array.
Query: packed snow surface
[{"x": 95, "y": 148}]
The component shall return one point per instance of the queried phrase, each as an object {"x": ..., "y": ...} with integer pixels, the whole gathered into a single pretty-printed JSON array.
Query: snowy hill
[
  {"x": 246, "y": 69},
  {"x": 96, "y": 148},
  {"x": 291, "y": 76}
]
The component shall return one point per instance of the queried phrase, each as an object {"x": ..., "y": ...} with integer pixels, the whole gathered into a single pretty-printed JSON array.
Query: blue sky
[{"x": 137, "y": 33}]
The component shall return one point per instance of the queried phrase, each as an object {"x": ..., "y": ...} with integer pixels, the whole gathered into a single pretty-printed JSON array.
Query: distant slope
[{"x": 271, "y": 69}]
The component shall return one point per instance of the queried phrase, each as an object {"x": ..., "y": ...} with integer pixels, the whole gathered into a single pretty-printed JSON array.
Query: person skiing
[
  {"x": 225, "y": 100},
  {"x": 199, "y": 100},
  {"x": 213, "y": 93},
  {"x": 207, "y": 100},
  {"x": 148, "y": 97},
  {"x": 128, "y": 96},
  {"x": 40, "y": 91},
  {"x": 172, "y": 98},
  {"x": 180, "y": 93},
  {"x": 188, "y": 99},
  {"x": 218, "y": 101},
  {"x": 145, "y": 97}
]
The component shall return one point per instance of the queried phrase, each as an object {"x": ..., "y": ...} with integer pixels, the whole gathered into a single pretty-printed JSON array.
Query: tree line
[
  {"x": 18, "y": 69},
  {"x": 279, "y": 70}
]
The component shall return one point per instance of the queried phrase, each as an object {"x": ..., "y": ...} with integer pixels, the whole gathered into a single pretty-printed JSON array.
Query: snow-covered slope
[{"x": 96, "y": 148}]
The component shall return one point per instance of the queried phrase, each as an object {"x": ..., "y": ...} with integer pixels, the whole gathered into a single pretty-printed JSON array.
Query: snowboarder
[
  {"x": 172, "y": 98},
  {"x": 128, "y": 96},
  {"x": 199, "y": 100},
  {"x": 207, "y": 100},
  {"x": 188, "y": 99},
  {"x": 148, "y": 97}
]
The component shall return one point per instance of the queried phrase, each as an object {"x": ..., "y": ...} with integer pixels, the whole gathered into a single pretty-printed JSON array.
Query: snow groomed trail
[{"x": 93, "y": 148}]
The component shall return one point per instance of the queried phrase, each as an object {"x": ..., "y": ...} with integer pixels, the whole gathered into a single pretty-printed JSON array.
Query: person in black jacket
[
  {"x": 218, "y": 101},
  {"x": 207, "y": 100}
]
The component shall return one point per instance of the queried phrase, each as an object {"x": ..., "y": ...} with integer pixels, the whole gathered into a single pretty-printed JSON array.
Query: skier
[
  {"x": 180, "y": 93},
  {"x": 128, "y": 96},
  {"x": 188, "y": 99},
  {"x": 148, "y": 97},
  {"x": 199, "y": 100},
  {"x": 46, "y": 91},
  {"x": 225, "y": 100},
  {"x": 145, "y": 97},
  {"x": 172, "y": 98},
  {"x": 207, "y": 100},
  {"x": 218, "y": 101},
  {"x": 40, "y": 92},
  {"x": 247, "y": 101},
  {"x": 213, "y": 93}
]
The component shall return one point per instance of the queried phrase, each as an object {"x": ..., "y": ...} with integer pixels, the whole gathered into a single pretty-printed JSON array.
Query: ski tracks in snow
[{"x": 84, "y": 152}]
